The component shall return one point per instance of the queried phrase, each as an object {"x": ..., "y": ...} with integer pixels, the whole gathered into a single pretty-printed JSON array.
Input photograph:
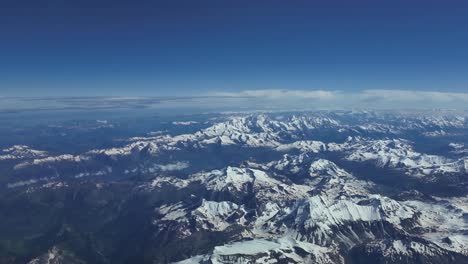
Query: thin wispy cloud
[
  {"x": 371, "y": 98},
  {"x": 267, "y": 99},
  {"x": 415, "y": 96},
  {"x": 280, "y": 94}
]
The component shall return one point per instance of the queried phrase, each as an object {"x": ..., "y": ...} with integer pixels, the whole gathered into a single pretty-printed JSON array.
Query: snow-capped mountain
[
  {"x": 322, "y": 187},
  {"x": 398, "y": 153},
  {"x": 329, "y": 224},
  {"x": 327, "y": 215},
  {"x": 19, "y": 152}
]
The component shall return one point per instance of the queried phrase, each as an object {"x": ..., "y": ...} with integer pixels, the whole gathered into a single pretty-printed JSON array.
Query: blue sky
[{"x": 186, "y": 48}]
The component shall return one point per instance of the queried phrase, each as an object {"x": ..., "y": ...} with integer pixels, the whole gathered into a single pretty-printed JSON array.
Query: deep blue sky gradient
[{"x": 125, "y": 48}]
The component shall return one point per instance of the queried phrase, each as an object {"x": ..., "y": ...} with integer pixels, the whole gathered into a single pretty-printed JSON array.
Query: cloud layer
[
  {"x": 271, "y": 99},
  {"x": 280, "y": 94},
  {"x": 377, "y": 99}
]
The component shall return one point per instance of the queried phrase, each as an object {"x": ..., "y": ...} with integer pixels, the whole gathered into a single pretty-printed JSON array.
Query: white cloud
[
  {"x": 414, "y": 96},
  {"x": 248, "y": 100},
  {"x": 180, "y": 165},
  {"x": 327, "y": 99},
  {"x": 280, "y": 94}
]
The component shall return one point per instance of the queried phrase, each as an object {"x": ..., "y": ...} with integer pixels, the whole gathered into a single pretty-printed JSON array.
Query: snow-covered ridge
[
  {"x": 285, "y": 133},
  {"x": 307, "y": 146},
  {"x": 405, "y": 248},
  {"x": 459, "y": 148},
  {"x": 18, "y": 152},
  {"x": 323, "y": 219},
  {"x": 386, "y": 153},
  {"x": 52, "y": 159},
  {"x": 209, "y": 215},
  {"x": 244, "y": 181},
  {"x": 398, "y": 153},
  {"x": 343, "y": 212},
  {"x": 322, "y": 167},
  {"x": 268, "y": 251},
  {"x": 250, "y": 130},
  {"x": 215, "y": 215}
]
